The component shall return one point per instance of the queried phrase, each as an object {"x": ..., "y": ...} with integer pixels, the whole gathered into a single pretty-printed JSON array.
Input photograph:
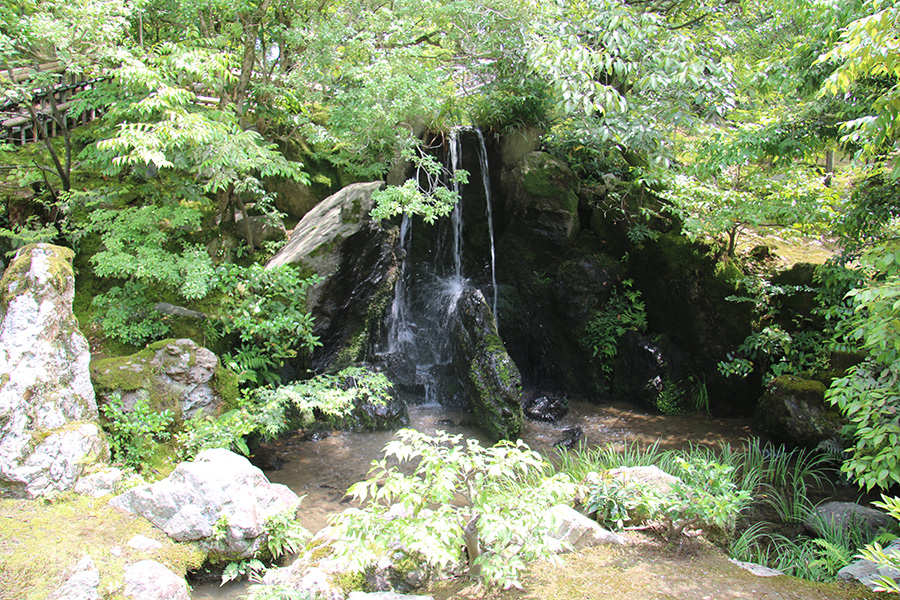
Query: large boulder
[
  {"x": 792, "y": 411},
  {"x": 491, "y": 379},
  {"x": 219, "y": 500},
  {"x": 174, "y": 375},
  {"x": 48, "y": 413},
  {"x": 357, "y": 261}
]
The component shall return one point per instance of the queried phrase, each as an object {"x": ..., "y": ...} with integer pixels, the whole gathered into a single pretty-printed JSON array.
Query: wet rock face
[
  {"x": 219, "y": 500},
  {"x": 646, "y": 368},
  {"x": 177, "y": 375},
  {"x": 545, "y": 408},
  {"x": 490, "y": 377},
  {"x": 792, "y": 411},
  {"x": 48, "y": 413},
  {"x": 357, "y": 261}
]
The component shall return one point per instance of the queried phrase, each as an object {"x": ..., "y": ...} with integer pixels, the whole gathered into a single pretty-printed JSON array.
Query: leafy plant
[
  {"x": 265, "y": 309},
  {"x": 623, "y": 312},
  {"x": 252, "y": 569},
  {"x": 135, "y": 434},
  {"x": 284, "y": 534},
  {"x": 876, "y": 552},
  {"x": 869, "y": 394},
  {"x": 490, "y": 501},
  {"x": 127, "y": 315},
  {"x": 426, "y": 195},
  {"x": 332, "y": 398}
]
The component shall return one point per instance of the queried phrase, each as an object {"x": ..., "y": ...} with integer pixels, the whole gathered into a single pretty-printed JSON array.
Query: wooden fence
[{"x": 19, "y": 126}]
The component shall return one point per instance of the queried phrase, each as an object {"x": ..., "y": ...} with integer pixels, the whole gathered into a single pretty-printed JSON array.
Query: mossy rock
[
  {"x": 793, "y": 411},
  {"x": 550, "y": 180},
  {"x": 174, "y": 375}
]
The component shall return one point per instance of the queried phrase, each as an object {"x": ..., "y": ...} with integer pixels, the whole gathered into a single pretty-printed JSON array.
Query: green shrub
[
  {"x": 136, "y": 434},
  {"x": 491, "y": 501},
  {"x": 623, "y": 312}
]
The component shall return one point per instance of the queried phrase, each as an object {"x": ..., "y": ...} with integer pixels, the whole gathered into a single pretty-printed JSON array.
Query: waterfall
[
  {"x": 486, "y": 181},
  {"x": 431, "y": 281}
]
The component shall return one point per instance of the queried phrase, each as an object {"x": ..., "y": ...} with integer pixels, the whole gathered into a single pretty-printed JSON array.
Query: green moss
[
  {"x": 797, "y": 386},
  {"x": 546, "y": 178},
  {"x": 40, "y": 542},
  {"x": 225, "y": 385}
]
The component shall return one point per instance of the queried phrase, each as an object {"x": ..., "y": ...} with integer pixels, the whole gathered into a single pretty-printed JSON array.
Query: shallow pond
[{"x": 323, "y": 470}]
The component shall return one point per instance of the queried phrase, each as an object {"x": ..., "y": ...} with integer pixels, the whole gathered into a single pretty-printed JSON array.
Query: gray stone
[
  {"x": 573, "y": 528},
  {"x": 149, "y": 580},
  {"x": 758, "y": 570},
  {"x": 332, "y": 220},
  {"x": 312, "y": 580},
  {"x": 100, "y": 483},
  {"x": 219, "y": 500},
  {"x": 48, "y": 414},
  {"x": 846, "y": 515},
  {"x": 83, "y": 584},
  {"x": 650, "y": 478},
  {"x": 869, "y": 573},
  {"x": 175, "y": 375},
  {"x": 142, "y": 542},
  {"x": 385, "y": 596},
  {"x": 491, "y": 379},
  {"x": 357, "y": 260}
]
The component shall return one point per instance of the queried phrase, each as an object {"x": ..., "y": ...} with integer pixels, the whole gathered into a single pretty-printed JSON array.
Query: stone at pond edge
[
  {"x": 150, "y": 580},
  {"x": 867, "y": 572},
  {"x": 792, "y": 411},
  {"x": 545, "y": 408},
  {"x": 491, "y": 379},
  {"x": 847, "y": 515},
  {"x": 219, "y": 500},
  {"x": 313, "y": 581},
  {"x": 48, "y": 413},
  {"x": 175, "y": 375},
  {"x": 758, "y": 570},
  {"x": 384, "y": 596}
]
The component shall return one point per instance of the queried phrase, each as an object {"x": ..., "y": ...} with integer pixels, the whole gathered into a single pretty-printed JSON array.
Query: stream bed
[{"x": 322, "y": 470}]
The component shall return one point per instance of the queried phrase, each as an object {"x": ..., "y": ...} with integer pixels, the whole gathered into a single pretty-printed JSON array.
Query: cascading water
[
  {"x": 486, "y": 181},
  {"x": 431, "y": 281}
]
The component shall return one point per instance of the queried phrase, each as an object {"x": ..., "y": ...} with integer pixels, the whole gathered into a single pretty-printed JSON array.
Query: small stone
[
  {"x": 142, "y": 542},
  {"x": 83, "y": 583},
  {"x": 758, "y": 570},
  {"x": 116, "y": 551},
  {"x": 149, "y": 580}
]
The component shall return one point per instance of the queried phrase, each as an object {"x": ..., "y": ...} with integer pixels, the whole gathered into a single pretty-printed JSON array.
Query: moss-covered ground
[
  {"x": 646, "y": 569},
  {"x": 41, "y": 541}
]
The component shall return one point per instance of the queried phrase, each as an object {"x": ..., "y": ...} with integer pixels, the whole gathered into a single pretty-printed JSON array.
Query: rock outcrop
[
  {"x": 847, "y": 515},
  {"x": 48, "y": 413},
  {"x": 358, "y": 263},
  {"x": 219, "y": 500},
  {"x": 491, "y": 379},
  {"x": 175, "y": 375}
]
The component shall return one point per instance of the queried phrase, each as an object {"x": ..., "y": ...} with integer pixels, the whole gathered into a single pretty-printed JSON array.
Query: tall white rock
[{"x": 48, "y": 414}]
